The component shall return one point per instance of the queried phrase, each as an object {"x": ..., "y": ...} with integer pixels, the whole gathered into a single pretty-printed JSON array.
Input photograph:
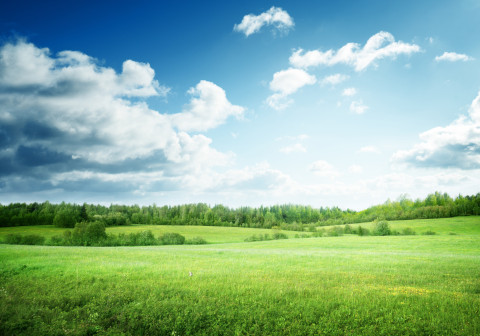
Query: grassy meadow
[
  {"x": 212, "y": 234},
  {"x": 348, "y": 285}
]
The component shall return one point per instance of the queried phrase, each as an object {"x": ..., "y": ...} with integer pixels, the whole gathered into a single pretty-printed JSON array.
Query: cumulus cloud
[
  {"x": 358, "y": 107},
  {"x": 454, "y": 146},
  {"x": 65, "y": 118},
  {"x": 379, "y": 46},
  {"x": 334, "y": 79},
  {"x": 208, "y": 108},
  {"x": 323, "y": 168},
  {"x": 275, "y": 16},
  {"x": 349, "y": 92},
  {"x": 286, "y": 82},
  {"x": 453, "y": 57}
]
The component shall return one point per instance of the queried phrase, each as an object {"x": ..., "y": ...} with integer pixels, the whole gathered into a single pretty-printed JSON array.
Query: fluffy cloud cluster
[
  {"x": 65, "y": 118},
  {"x": 454, "y": 146},
  {"x": 379, "y": 46},
  {"x": 276, "y": 17},
  {"x": 453, "y": 57}
]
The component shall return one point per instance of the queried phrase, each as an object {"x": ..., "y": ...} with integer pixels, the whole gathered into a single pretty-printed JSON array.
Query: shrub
[
  {"x": 408, "y": 232},
  {"x": 56, "y": 241},
  {"x": 196, "y": 241},
  {"x": 381, "y": 228},
  {"x": 33, "y": 239},
  {"x": 335, "y": 231},
  {"x": 146, "y": 238},
  {"x": 347, "y": 229},
  {"x": 18, "y": 239},
  {"x": 429, "y": 233},
  {"x": 88, "y": 233},
  {"x": 363, "y": 231},
  {"x": 172, "y": 239},
  {"x": 13, "y": 239},
  {"x": 279, "y": 235}
]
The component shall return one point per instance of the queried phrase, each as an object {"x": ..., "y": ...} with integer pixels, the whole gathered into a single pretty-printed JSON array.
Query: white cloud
[
  {"x": 358, "y": 107},
  {"x": 369, "y": 149},
  {"x": 379, "y": 46},
  {"x": 65, "y": 118},
  {"x": 275, "y": 16},
  {"x": 295, "y": 148},
  {"x": 208, "y": 108},
  {"x": 349, "y": 92},
  {"x": 453, "y": 57},
  {"x": 454, "y": 146},
  {"x": 334, "y": 79},
  {"x": 286, "y": 82},
  {"x": 289, "y": 81},
  {"x": 323, "y": 168}
]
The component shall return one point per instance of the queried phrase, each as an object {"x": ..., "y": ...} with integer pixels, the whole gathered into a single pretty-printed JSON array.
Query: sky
[{"x": 322, "y": 103}]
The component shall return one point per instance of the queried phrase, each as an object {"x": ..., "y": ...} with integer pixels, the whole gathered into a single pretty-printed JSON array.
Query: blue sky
[{"x": 323, "y": 103}]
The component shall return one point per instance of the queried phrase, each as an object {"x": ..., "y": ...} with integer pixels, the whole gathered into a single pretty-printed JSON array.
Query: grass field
[
  {"x": 457, "y": 225},
  {"x": 212, "y": 234},
  {"x": 350, "y": 285}
]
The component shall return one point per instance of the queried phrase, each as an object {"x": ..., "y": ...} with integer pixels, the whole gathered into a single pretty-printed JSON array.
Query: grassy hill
[{"x": 392, "y": 285}]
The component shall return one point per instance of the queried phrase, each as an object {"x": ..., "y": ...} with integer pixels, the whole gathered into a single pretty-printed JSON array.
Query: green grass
[
  {"x": 458, "y": 225},
  {"x": 212, "y": 234},
  {"x": 349, "y": 285}
]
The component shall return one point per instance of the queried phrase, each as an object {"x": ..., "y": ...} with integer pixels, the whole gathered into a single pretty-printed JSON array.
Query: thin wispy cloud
[
  {"x": 358, "y": 107},
  {"x": 276, "y": 17},
  {"x": 349, "y": 92},
  {"x": 334, "y": 79}
]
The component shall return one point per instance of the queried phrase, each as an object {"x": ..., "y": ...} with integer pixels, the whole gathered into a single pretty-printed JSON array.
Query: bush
[
  {"x": 196, "y": 241},
  {"x": 88, "y": 233},
  {"x": 347, "y": 229},
  {"x": 18, "y": 239},
  {"x": 429, "y": 233},
  {"x": 56, "y": 241},
  {"x": 279, "y": 235},
  {"x": 335, "y": 232},
  {"x": 408, "y": 232},
  {"x": 381, "y": 228},
  {"x": 362, "y": 231},
  {"x": 146, "y": 238},
  {"x": 33, "y": 239},
  {"x": 13, "y": 239},
  {"x": 172, "y": 239}
]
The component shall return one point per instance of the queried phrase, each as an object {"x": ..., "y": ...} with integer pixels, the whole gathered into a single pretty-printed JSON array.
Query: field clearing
[
  {"x": 393, "y": 285},
  {"x": 212, "y": 234},
  {"x": 464, "y": 225}
]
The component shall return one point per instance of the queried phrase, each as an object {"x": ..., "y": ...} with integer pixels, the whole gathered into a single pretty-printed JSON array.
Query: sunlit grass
[{"x": 397, "y": 285}]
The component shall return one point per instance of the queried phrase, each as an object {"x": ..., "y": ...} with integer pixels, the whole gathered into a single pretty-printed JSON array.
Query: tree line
[{"x": 287, "y": 216}]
